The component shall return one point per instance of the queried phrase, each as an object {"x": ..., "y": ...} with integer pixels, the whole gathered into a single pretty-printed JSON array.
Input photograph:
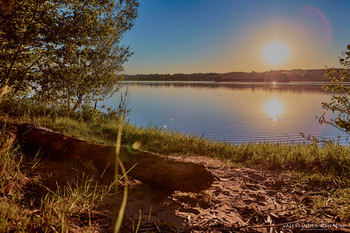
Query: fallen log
[{"x": 156, "y": 170}]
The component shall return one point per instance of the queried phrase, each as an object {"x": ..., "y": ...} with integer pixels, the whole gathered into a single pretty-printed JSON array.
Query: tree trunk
[
  {"x": 77, "y": 104},
  {"x": 158, "y": 171},
  {"x": 95, "y": 105}
]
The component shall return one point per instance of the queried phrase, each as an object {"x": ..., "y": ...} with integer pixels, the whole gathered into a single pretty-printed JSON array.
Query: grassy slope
[
  {"x": 327, "y": 166},
  {"x": 329, "y": 161}
]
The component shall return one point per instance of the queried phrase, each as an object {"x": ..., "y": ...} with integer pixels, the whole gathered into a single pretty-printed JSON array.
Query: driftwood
[{"x": 158, "y": 171}]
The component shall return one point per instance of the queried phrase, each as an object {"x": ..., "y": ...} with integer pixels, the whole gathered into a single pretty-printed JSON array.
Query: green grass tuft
[{"x": 69, "y": 208}]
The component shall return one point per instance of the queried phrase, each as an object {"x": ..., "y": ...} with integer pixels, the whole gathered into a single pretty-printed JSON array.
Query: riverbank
[
  {"x": 46, "y": 194},
  {"x": 246, "y": 173},
  {"x": 323, "y": 163}
]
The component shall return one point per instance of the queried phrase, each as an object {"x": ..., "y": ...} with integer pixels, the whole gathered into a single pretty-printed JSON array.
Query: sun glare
[
  {"x": 275, "y": 53},
  {"x": 274, "y": 108}
]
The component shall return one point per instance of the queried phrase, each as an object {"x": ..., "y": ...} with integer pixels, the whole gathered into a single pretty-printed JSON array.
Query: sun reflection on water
[{"x": 274, "y": 108}]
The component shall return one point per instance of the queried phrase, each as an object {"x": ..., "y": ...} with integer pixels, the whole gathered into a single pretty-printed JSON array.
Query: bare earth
[{"x": 240, "y": 199}]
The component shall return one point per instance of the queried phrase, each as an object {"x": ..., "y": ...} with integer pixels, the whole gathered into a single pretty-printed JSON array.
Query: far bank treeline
[{"x": 297, "y": 75}]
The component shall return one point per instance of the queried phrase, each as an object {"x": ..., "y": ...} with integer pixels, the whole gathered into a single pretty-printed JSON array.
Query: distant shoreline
[{"x": 297, "y": 75}]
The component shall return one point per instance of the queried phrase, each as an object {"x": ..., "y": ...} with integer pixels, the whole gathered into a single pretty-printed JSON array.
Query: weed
[
  {"x": 319, "y": 202},
  {"x": 69, "y": 207}
]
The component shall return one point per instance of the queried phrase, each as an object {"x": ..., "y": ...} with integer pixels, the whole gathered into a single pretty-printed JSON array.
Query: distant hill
[{"x": 268, "y": 76}]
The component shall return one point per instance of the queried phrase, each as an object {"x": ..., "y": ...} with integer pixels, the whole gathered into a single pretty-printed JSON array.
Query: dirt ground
[{"x": 240, "y": 200}]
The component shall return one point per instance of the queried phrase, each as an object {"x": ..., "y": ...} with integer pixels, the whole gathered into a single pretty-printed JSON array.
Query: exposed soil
[{"x": 240, "y": 199}]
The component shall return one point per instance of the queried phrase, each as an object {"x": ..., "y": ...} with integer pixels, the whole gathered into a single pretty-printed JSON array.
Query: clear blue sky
[{"x": 191, "y": 36}]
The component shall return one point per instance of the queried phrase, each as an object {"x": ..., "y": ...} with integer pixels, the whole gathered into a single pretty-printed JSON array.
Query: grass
[
  {"x": 67, "y": 208},
  {"x": 326, "y": 165},
  {"x": 27, "y": 205},
  {"x": 327, "y": 162}
]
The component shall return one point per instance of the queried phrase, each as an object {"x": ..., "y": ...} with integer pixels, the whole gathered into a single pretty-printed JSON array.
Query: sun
[{"x": 275, "y": 53}]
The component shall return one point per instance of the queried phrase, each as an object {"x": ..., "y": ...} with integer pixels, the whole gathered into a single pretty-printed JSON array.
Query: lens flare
[
  {"x": 317, "y": 24},
  {"x": 136, "y": 145},
  {"x": 133, "y": 147}
]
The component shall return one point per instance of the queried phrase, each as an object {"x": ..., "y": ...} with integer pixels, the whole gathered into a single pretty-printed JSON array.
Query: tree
[
  {"x": 86, "y": 66},
  {"x": 22, "y": 39},
  {"x": 340, "y": 101},
  {"x": 68, "y": 50}
]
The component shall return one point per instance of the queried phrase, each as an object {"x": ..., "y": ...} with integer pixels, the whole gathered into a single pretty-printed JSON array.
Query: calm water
[{"x": 233, "y": 112}]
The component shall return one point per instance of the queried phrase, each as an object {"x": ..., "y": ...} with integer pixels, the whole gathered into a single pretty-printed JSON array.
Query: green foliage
[
  {"x": 340, "y": 101},
  {"x": 27, "y": 109},
  {"x": 68, "y": 51},
  {"x": 24, "y": 31},
  {"x": 86, "y": 65}
]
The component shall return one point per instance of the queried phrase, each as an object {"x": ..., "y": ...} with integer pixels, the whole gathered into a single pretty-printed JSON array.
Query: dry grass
[{"x": 30, "y": 203}]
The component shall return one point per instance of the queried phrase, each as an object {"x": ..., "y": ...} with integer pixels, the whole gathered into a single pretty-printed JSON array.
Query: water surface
[{"x": 232, "y": 112}]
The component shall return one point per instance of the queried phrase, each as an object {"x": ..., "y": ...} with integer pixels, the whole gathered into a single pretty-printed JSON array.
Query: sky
[{"x": 204, "y": 36}]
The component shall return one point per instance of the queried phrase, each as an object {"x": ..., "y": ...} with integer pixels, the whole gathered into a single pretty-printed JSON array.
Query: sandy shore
[{"x": 240, "y": 199}]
